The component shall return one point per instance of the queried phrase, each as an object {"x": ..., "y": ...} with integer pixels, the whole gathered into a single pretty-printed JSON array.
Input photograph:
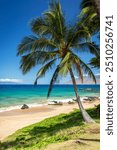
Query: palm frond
[
  {"x": 27, "y": 63},
  {"x": 62, "y": 69},
  {"x": 52, "y": 24},
  {"x": 89, "y": 15},
  {"x": 44, "y": 69},
  {"x": 44, "y": 43},
  {"x": 39, "y": 26},
  {"x": 76, "y": 35},
  {"x": 87, "y": 70},
  {"x": 75, "y": 63},
  {"x": 90, "y": 47},
  {"x": 86, "y": 3},
  {"x": 53, "y": 80},
  {"x": 26, "y": 44},
  {"x": 82, "y": 66},
  {"x": 79, "y": 70},
  {"x": 95, "y": 62},
  {"x": 84, "y": 11},
  {"x": 35, "y": 58},
  {"x": 32, "y": 43},
  {"x": 56, "y": 16}
]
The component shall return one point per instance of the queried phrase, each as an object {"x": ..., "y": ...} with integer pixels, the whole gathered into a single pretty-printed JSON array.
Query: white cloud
[
  {"x": 10, "y": 80},
  {"x": 86, "y": 75},
  {"x": 97, "y": 74}
]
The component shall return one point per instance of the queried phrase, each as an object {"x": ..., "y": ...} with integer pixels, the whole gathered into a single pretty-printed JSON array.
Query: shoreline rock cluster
[{"x": 55, "y": 102}]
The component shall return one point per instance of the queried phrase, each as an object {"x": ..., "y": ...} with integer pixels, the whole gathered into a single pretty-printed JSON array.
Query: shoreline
[
  {"x": 33, "y": 105},
  {"x": 11, "y": 121}
]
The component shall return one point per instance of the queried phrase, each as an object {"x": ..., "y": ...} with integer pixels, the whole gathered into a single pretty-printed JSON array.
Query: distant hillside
[{"x": 87, "y": 80}]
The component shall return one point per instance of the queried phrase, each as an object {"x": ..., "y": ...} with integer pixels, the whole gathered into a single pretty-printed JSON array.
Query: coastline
[
  {"x": 14, "y": 96},
  {"x": 33, "y": 105},
  {"x": 11, "y": 121}
]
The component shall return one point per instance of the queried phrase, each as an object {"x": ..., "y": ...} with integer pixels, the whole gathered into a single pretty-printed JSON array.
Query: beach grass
[{"x": 57, "y": 130}]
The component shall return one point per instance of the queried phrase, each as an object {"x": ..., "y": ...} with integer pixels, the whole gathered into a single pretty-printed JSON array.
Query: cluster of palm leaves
[
  {"x": 90, "y": 18},
  {"x": 55, "y": 45}
]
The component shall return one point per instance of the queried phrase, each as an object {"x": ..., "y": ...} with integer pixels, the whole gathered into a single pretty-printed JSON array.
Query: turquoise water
[{"x": 13, "y": 95}]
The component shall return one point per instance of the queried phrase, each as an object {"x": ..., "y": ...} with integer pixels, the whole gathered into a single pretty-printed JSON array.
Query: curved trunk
[{"x": 85, "y": 115}]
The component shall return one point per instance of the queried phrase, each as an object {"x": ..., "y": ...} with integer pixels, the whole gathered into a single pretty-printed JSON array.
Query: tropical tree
[{"x": 55, "y": 43}]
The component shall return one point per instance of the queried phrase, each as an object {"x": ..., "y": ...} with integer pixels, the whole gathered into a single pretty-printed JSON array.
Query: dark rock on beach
[
  {"x": 25, "y": 106},
  {"x": 71, "y": 102},
  {"x": 55, "y": 103}
]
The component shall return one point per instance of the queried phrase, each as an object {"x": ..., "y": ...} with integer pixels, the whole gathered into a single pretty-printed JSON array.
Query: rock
[
  {"x": 89, "y": 98},
  {"x": 71, "y": 102},
  {"x": 25, "y": 106},
  {"x": 55, "y": 103}
]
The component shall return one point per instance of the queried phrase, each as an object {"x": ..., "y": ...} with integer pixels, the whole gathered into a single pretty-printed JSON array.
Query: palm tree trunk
[{"x": 85, "y": 115}]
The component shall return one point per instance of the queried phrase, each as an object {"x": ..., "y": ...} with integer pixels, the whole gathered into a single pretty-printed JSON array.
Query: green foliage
[
  {"x": 95, "y": 62},
  {"x": 54, "y": 45},
  {"x": 52, "y": 130},
  {"x": 90, "y": 16},
  {"x": 90, "y": 19},
  {"x": 44, "y": 69}
]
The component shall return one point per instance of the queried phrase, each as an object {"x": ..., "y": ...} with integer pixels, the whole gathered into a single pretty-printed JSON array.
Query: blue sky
[{"x": 15, "y": 17}]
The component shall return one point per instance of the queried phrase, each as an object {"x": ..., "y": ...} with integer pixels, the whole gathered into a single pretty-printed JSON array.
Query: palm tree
[{"x": 54, "y": 43}]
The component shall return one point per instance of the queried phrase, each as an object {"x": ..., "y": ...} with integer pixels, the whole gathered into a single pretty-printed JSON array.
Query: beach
[{"x": 11, "y": 121}]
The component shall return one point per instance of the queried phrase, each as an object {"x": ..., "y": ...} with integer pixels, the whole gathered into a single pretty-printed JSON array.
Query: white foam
[
  {"x": 3, "y": 109},
  {"x": 68, "y": 99},
  {"x": 83, "y": 98}
]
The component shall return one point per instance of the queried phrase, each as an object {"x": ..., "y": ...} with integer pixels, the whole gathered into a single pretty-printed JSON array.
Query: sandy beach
[{"x": 11, "y": 121}]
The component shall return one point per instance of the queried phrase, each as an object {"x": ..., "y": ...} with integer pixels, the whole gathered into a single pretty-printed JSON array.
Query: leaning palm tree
[{"x": 55, "y": 45}]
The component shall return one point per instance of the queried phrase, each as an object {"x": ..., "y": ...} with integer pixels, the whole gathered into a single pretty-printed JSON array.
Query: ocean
[{"x": 14, "y": 96}]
